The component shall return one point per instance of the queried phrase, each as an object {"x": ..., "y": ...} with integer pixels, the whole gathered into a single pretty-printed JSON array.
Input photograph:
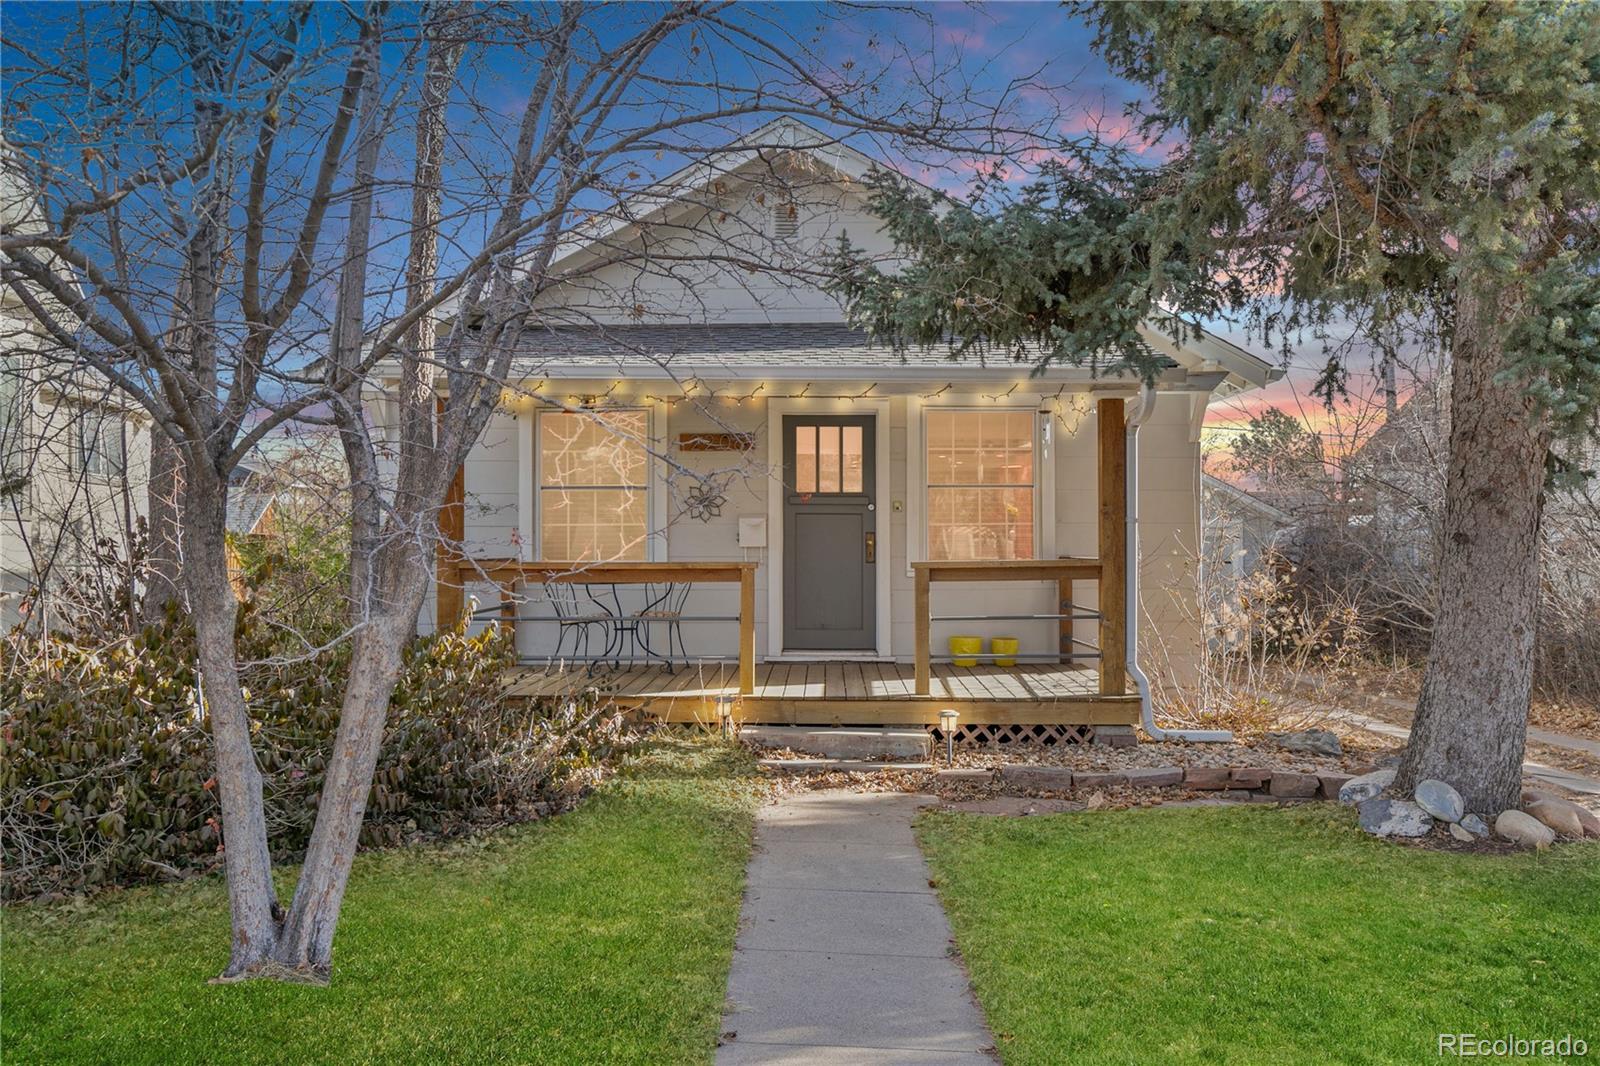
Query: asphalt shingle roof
[{"x": 704, "y": 348}]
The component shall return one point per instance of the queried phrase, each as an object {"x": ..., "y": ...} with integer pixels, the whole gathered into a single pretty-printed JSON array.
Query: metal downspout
[{"x": 1143, "y": 406}]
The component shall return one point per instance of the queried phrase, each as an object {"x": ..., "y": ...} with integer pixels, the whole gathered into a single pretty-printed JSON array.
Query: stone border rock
[
  {"x": 1234, "y": 782},
  {"x": 1545, "y": 817}
]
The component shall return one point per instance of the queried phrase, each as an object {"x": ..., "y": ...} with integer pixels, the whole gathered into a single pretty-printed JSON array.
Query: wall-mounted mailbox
[{"x": 753, "y": 532}]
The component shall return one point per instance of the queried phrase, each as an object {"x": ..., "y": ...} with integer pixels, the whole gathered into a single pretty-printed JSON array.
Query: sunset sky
[{"x": 998, "y": 42}]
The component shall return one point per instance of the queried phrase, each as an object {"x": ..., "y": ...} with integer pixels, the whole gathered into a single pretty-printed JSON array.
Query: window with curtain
[
  {"x": 593, "y": 486},
  {"x": 980, "y": 468}
]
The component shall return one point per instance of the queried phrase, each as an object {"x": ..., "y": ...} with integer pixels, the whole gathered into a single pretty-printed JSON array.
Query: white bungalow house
[{"x": 705, "y": 486}]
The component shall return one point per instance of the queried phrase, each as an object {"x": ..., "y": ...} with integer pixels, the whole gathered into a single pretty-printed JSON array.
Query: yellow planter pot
[
  {"x": 960, "y": 646},
  {"x": 1005, "y": 646}
]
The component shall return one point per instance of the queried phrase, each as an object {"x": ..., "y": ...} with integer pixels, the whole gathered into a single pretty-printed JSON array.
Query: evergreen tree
[{"x": 1429, "y": 162}]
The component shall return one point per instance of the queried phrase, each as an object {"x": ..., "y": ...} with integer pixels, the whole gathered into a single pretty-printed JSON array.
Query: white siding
[
  {"x": 1169, "y": 461},
  {"x": 717, "y": 261}
]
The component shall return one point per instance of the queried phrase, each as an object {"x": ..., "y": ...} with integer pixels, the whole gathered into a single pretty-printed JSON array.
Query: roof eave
[{"x": 1245, "y": 370}]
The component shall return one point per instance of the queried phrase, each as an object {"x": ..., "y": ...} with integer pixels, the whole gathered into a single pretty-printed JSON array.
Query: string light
[{"x": 1069, "y": 406}]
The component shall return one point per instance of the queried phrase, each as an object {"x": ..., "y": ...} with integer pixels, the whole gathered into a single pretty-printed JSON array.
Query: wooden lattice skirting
[{"x": 1046, "y": 735}]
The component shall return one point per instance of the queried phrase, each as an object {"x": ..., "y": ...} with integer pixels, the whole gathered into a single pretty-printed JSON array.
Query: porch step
[
  {"x": 841, "y": 766},
  {"x": 835, "y": 743}
]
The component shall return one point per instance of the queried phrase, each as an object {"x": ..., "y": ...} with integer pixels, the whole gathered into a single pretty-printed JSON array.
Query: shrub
[{"x": 106, "y": 776}]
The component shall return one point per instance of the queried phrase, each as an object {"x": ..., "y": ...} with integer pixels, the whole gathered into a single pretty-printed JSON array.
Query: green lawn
[
  {"x": 602, "y": 935},
  {"x": 1258, "y": 935}
]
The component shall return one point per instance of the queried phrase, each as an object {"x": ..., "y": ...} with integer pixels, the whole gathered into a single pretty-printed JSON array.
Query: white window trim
[
  {"x": 1044, "y": 474},
  {"x": 528, "y": 480},
  {"x": 883, "y": 491}
]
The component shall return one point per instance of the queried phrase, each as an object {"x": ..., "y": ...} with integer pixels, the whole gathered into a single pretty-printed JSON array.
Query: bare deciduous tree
[{"x": 256, "y": 213}]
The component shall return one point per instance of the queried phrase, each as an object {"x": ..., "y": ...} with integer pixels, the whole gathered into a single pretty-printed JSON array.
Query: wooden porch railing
[
  {"x": 508, "y": 573},
  {"x": 1110, "y": 569},
  {"x": 1062, "y": 571}
]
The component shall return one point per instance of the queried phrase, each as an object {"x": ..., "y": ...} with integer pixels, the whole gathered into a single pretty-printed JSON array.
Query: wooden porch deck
[{"x": 849, "y": 693}]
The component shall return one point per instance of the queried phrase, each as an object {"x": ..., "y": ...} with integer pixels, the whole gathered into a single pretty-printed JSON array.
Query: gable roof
[
  {"x": 832, "y": 349},
  {"x": 1247, "y": 501},
  {"x": 650, "y": 204},
  {"x": 250, "y": 497}
]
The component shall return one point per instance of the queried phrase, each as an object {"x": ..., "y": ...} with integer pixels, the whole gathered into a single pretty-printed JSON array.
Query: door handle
[{"x": 872, "y": 547}]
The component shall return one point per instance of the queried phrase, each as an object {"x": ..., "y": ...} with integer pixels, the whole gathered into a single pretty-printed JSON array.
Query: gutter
[{"x": 1144, "y": 405}]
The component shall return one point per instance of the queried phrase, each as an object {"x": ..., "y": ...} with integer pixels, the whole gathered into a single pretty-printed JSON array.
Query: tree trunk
[
  {"x": 1472, "y": 716},
  {"x": 376, "y": 658},
  {"x": 252, "y": 902}
]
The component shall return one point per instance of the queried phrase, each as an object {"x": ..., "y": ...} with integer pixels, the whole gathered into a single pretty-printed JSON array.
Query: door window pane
[
  {"x": 593, "y": 472},
  {"x": 980, "y": 484},
  {"x": 827, "y": 458},
  {"x": 852, "y": 459},
  {"x": 805, "y": 459}
]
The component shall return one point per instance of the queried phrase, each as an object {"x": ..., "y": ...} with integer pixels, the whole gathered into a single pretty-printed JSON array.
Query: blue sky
[{"x": 990, "y": 45}]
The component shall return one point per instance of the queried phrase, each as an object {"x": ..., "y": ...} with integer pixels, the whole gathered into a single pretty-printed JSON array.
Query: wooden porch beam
[
  {"x": 447, "y": 597},
  {"x": 1113, "y": 449}
]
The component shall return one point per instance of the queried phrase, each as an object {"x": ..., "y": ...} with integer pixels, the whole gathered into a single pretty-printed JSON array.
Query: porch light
[{"x": 947, "y": 726}]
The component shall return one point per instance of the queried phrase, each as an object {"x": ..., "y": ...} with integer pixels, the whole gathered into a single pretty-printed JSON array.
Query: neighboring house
[
  {"x": 1397, "y": 477},
  {"x": 1241, "y": 529},
  {"x": 73, "y": 459},
  {"x": 673, "y": 406},
  {"x": 252, "y": 514}
]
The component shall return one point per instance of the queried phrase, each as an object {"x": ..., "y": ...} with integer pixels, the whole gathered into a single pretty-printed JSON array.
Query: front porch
[
  {"x": 846, "y": 693},
  {"x": 692, "y": 639}
]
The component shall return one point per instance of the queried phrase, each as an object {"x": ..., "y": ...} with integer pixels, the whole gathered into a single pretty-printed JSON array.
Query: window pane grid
[
  {"x": 829, "y": 459},
  {"x": 592, "y": 486},
  {"x": 980, "y": 484}
]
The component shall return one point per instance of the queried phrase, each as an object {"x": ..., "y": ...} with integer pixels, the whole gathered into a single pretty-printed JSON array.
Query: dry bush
[{"x": 1260, "y": 637}]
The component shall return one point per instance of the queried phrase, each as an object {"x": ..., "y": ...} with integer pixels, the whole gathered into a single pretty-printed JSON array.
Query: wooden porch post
[
  {"x": 447, "y": 557},
  {"x": 1113, "y": 547},
  {"x": 924, "y": 672},
  {"x": 747, "y": 631}
]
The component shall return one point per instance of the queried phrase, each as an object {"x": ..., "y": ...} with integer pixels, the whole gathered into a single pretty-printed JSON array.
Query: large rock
[
  {"x": 1524, "y": 829},
  {"x": 1559, "y": 814},
  {"x": 1440, "y": 800},
  {"x": 1315, "y": 741},
  {"x": 1588, "y": 821},
  {"x": 1288, "y": 785},
  {"x": 1393, "y": 818},
  {"x": 1043, "y": 778},
  {"x": 1366, "y": 786}
]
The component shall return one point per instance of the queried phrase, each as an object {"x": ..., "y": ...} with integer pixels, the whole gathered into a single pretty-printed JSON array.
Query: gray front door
[{"x": 830, "y": 589}]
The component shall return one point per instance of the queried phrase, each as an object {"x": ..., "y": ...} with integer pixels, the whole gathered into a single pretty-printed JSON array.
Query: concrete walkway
[{"x": 844, "y": 954}]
